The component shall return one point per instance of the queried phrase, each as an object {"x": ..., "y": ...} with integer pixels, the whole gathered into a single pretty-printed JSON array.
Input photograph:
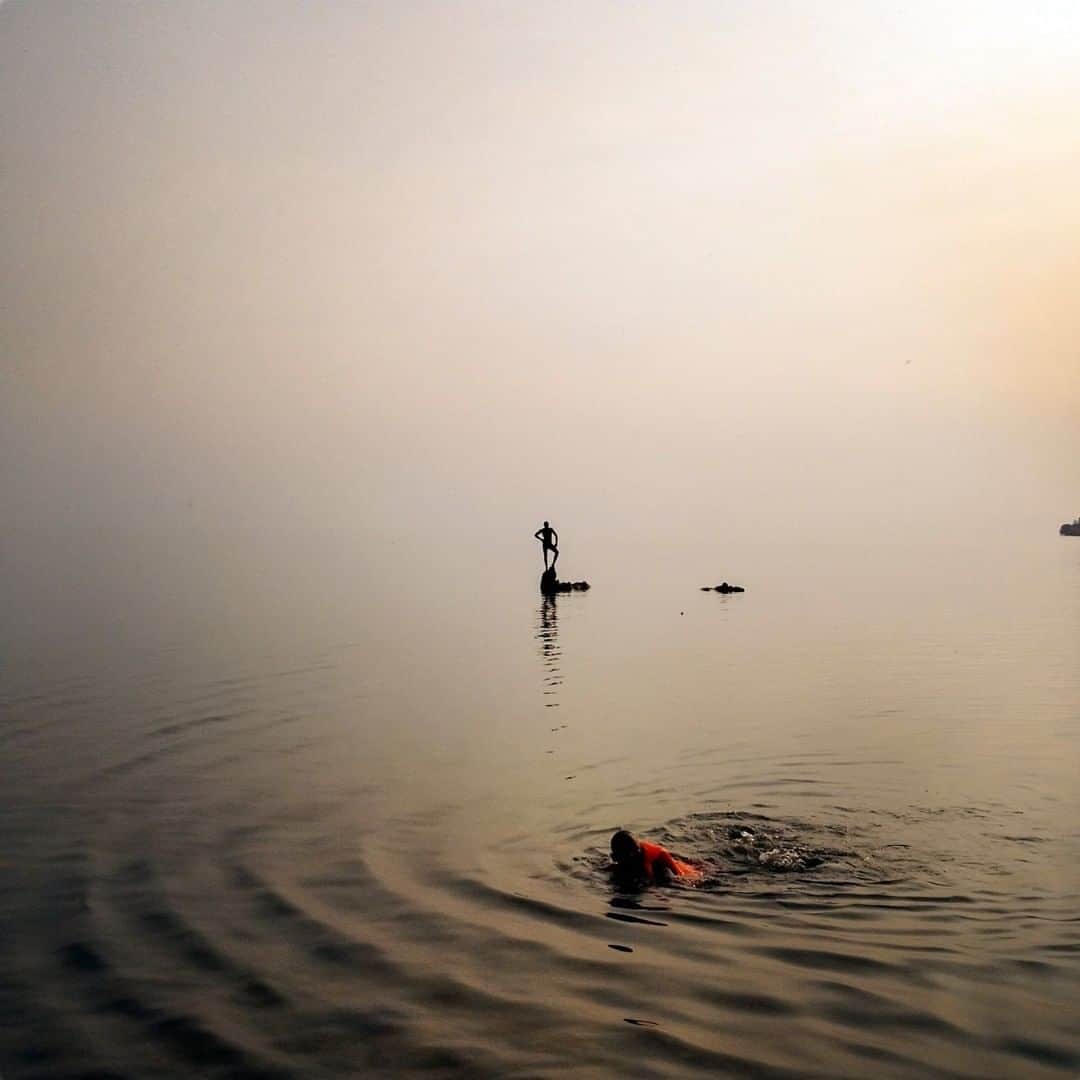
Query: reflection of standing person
[
  {"x": 549, "y": 632},
  {"x": 550, "y": 539}
]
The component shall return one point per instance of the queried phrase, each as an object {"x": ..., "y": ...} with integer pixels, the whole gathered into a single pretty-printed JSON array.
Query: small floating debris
[{"x": 620, "y": 948}]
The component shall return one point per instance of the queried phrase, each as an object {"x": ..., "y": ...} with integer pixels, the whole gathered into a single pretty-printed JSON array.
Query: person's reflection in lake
[{"x": 547, "y": 633}]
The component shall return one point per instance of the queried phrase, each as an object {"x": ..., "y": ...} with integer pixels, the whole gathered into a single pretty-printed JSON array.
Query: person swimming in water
[{"x": 641, "y": 860}]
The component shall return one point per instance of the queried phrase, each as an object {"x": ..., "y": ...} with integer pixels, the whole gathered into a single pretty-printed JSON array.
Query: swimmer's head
[{"x": 624, "y": 848}]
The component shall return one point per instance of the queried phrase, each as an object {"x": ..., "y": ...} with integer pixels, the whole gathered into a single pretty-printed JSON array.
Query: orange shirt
[{"x": 654, "y": 855}]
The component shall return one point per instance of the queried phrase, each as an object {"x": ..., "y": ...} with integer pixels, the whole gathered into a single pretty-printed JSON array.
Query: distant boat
[{"x": 1071, "y": 528}]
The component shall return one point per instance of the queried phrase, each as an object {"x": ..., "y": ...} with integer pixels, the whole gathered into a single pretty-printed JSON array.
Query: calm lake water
[{"x": 361, "y": 829}]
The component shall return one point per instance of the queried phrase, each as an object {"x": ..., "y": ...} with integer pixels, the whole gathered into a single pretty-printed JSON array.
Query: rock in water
[{"x": 550, "y": 585}]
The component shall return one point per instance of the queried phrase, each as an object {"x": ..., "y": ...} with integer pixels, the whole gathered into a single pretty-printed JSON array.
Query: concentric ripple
[{"x": 356, "y": 863}]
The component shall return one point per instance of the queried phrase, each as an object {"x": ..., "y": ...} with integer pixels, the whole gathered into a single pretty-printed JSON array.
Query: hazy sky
[{"x": 337, "y": 273}]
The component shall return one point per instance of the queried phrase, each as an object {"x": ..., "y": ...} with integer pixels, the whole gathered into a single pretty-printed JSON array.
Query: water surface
[{"x": 363, "y": 831}]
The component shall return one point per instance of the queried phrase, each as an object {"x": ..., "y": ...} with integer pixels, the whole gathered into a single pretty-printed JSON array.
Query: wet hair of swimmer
[{"x": 624, "y": 848}]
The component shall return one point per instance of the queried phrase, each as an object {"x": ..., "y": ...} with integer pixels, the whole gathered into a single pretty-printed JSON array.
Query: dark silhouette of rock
[
  {"x": 724, "y": 587},
  {"x": 550, "y": 585},
  {"x": 1070, "y": 528}
]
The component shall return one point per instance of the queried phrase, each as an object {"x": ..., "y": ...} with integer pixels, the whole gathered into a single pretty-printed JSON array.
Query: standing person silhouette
[{"x": 550, "y": 539}]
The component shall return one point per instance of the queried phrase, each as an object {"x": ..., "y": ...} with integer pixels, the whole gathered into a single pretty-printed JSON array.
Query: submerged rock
[{"x": 723, "y": 587}]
